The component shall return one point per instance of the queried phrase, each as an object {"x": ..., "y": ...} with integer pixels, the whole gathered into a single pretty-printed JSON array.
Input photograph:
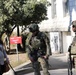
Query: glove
[{"x": 46, "y": 56}]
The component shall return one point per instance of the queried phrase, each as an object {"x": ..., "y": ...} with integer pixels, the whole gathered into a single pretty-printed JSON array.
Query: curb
[
  {"x": 24, "y": 64},
  {"x": 19, "y": 70}
]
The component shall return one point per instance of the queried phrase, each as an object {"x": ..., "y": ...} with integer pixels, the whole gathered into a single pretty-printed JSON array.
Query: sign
[{"x": 15, "y": 40}]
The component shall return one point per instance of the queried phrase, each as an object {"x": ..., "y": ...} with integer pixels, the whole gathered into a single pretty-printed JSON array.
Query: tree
[
  {"x": 14, "y": 13},
  {"x": 22, "y": 12}
]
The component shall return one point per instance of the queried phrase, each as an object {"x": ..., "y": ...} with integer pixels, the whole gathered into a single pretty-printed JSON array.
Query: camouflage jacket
[
  {"x": 73, "y": 46},
  {"x": 39, "y": 44}
]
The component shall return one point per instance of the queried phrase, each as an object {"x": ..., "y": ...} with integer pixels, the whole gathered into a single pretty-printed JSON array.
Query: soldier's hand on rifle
[{"x": 45, "y": 57}]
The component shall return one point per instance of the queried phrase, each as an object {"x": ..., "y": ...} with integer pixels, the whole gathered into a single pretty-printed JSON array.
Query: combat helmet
[
  {"x": 74, "y": 26},
  {"x": 74, "y": 23},
  {"x": 33, "y": 27}
]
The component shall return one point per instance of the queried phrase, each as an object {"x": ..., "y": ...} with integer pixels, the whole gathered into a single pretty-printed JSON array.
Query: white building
[
  {"x": 58, "y": 25},
  {"x": 72, "y": 9}
]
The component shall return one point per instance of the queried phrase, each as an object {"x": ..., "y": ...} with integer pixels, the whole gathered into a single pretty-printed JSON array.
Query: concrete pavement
[
  {"x": 55, "y": 72},
  {"x": 58, "y": 65}
]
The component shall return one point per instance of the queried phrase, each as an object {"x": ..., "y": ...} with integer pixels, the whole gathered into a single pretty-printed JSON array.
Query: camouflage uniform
[
  {"x": 37, "y": 47},
  {"x": 73, "y": 45}
]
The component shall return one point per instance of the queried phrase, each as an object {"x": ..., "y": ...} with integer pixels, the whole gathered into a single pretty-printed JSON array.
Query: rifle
[{"x": 69, "y": 49}]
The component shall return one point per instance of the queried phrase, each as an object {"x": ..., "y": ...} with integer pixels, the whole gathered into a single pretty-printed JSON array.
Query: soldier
[
  {"x": 72, "y": 47},
  {"x": 38, "y": 49}
]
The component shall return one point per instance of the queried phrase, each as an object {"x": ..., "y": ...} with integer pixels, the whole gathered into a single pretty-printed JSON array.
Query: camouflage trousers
[
  {"x": 75, "y": 62},
  {"x": 36, "y": 66}
]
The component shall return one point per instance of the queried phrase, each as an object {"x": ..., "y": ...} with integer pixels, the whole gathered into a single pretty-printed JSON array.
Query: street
[
  {"x": 54, "y": 72},
  {"x": 57, "y": 66}
]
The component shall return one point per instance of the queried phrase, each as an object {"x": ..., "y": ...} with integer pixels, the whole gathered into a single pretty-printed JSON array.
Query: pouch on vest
[{"x": 73, "y": 49}]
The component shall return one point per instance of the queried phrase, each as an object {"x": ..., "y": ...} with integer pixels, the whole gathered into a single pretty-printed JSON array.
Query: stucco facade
[{"x": 58, "y": 24}]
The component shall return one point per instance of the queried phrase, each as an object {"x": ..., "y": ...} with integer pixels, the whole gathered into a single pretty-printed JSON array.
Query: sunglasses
[{"x": 74, "y": 26}]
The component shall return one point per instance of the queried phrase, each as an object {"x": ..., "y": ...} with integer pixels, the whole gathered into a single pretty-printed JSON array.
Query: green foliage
[{"x": 21, "y": 12}]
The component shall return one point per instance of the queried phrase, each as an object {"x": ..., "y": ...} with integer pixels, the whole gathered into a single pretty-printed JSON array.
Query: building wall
[
  {"x": 72, "y": 10},
  {"x": 66, "y": 41},
  {"x": 58, "y": 22}
]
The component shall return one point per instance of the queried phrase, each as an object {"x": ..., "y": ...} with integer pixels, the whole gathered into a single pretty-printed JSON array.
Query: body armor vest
[
  {"x": 73, "y": 46},
  {"x": 38, "y": 44}
]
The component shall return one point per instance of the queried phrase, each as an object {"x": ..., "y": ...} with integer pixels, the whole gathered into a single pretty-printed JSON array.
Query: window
[
  {"x": 65, "y": 7},
  {"x": 53, "y": 8}
]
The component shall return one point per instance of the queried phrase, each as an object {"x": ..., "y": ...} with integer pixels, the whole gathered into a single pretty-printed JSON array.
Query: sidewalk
[
  {"x": 55, "y": 72},
  {"x": 19, "y": 68}
]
